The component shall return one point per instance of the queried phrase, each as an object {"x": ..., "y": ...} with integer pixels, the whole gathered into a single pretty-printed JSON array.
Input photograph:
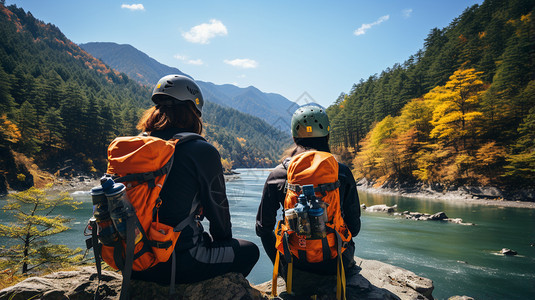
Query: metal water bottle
[
  {"x": 290, "y": 217},
  {"x": 105, "y": 230},
  {"x": 303, "y": 224}
]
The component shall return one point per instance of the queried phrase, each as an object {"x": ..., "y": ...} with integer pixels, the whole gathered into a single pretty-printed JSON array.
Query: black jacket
[
  {"x": 273, "y": 199},
  {"x": 196, "y": 169}
]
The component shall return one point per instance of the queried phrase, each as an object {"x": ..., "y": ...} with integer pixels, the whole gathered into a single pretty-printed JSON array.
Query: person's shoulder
[
  {"x": 199, "y": 146},
  {"x": 279, "y": 172},
  {"x": 344, "y": 173},
  {"x": 343, "y": 168}
]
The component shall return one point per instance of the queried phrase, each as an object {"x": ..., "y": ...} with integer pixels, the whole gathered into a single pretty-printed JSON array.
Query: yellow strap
[
  {"x": 275, "y": 274},
  {"x": 343, "y": 278},
  {"x": 340, "y": 281},
  {"x": 290, "y": 276}
]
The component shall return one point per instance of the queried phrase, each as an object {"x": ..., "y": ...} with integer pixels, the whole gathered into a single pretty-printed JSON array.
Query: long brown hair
[{"x": 182, "y": 115}]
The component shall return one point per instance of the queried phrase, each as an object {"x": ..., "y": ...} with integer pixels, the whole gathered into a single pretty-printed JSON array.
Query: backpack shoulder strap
[{"x": 187, "y": 136}]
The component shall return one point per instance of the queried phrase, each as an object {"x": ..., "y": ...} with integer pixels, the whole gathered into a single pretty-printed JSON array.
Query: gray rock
[
  {"x": 460, "y": 298},
  {"x": 439, "y": 216},
  {"x": 363, "y": 182},
  {"x": 376, "y": 280},
  {"x": 382, "y": 208},
  {"x": 82, "y": 284},
  {"x": 507, "y": 251},
  {"x": 398, "y": 281}
]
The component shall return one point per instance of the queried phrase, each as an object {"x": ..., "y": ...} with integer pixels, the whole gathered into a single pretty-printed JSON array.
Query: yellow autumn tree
[
  {"x": 9, "y": 132},
  {"x": 450, "y": 156},
  {"x": 373, "y": 161},
  {"x": 456, "y": 115}
]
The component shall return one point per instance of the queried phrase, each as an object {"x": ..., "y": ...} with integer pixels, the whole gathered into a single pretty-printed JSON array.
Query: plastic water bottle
[
  {"x": 303, "y": 224},
  {"x": 116, "y": 194},
  {"x": 317, "y": 220},
  {"x": 105, "y": 230}
]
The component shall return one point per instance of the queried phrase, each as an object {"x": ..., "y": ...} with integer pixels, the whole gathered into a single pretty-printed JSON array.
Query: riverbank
[
  {"x": 492, "y": 197},
  {"x": 86, "y": 182}
]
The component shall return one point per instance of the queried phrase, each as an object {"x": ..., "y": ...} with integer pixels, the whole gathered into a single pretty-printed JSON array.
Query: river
[{"x": 461, "y": 260}]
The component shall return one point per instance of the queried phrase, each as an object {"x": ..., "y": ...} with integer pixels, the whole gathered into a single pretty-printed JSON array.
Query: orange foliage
[{"x": 10, "y": 132}]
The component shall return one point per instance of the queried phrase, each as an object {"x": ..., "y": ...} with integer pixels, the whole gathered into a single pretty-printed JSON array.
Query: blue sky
[{"x": 285, "y": 47}]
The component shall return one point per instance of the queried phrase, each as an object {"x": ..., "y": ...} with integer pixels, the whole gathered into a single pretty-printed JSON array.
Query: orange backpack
[
  {"x": 142, "y": 164},
  {"x": 321, "y": 170}
]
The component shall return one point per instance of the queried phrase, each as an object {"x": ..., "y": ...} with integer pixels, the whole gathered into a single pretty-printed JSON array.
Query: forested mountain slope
[
  {"x": 58, "y": 102},
  {"x": 121, "y": 57},
  {"x": 146, "y": 70},
  {"x": 460, "y": 111}
]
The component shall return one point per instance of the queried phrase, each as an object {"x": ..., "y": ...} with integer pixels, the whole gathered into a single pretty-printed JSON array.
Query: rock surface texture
[{"x": 376, "y": 280}]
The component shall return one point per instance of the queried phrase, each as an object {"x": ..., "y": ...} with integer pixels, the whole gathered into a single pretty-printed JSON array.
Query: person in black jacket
[
  {"x": 197, "y": 175},
  {"x": 310, "y": 130}
]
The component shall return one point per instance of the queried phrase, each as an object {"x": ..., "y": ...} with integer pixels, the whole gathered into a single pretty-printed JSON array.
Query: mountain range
[
  {"x": 273, "y": 108},
  {"x": 60, "y": 107}
]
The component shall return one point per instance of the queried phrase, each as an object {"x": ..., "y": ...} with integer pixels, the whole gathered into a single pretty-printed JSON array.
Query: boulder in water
[
  {"x": 382, "y": 208},
  {"x": 507, "y": 251}
]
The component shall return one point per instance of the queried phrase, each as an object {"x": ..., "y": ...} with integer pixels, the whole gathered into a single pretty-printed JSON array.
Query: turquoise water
[{"x": 461, "y": 260}]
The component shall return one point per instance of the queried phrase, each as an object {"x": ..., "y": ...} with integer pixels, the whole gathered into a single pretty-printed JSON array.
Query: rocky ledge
[{"x": 376, "y": 280}]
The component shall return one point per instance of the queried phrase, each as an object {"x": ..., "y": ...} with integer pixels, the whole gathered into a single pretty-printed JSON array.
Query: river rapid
[{"x": 461, "y": 260}]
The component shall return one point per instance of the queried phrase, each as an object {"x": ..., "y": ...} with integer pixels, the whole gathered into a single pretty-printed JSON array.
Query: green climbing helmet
[
  {"x": 180, "y": 88},
  {"x": 310, "y": 121}
]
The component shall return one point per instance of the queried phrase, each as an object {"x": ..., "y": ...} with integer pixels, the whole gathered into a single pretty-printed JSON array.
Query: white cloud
[
  {"x": 244, "y": 63},
  {"x": 364, "y": 27},
  {"x": 406, "y": 13},
  {"x": 242, "y": 76},
  {"x": 202, "y": 33},
  {"x": 196, "y": 62},
  {"x": 185, "y": 59},
  {"x": 180, "y": 57},
  {"x": 133, "y": 6}
]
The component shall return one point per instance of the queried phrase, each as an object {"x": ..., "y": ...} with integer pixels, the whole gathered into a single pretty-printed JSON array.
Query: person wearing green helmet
[
  {"x": 310, "y": 130},
  {"x": 310, "y": 121},
  {"x": 196, "y": 175}
]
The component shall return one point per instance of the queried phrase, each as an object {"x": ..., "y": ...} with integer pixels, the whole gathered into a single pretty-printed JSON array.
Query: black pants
[{"x": 205, "y": 261}]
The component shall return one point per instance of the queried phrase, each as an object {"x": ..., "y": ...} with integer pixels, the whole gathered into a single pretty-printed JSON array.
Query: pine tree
[
  {"x": 28, "y": 123},
  {"x": 35, "y": 219}
]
